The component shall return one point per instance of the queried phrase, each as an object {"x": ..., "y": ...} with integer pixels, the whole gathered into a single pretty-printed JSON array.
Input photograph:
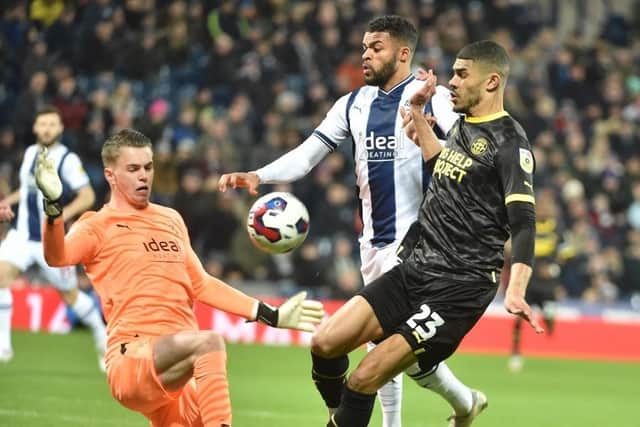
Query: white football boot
[
  {"x": 479, "y": 404},
  {"x": 6, "y": 354}
]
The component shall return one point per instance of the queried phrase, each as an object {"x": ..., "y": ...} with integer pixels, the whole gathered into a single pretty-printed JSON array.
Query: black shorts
[{"x": 432, "y": 313}]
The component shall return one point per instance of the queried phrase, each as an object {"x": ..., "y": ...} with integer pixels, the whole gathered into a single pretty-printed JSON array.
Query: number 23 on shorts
[{"x": 424, "y": 323}]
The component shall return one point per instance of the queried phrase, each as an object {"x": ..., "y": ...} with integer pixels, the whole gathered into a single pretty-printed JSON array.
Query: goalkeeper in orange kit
[{"x": 140, "y": 261}]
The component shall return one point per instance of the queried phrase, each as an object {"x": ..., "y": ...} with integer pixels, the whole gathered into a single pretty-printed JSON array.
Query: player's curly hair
[
  {"x": 124, "y": 138},
  {"x": 398, "y": 28}
]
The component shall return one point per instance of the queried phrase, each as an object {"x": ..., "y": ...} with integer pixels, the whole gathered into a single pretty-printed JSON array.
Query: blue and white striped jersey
[
  {"x": 390, "y": 173},
  {"x": 28, "y": 221}
]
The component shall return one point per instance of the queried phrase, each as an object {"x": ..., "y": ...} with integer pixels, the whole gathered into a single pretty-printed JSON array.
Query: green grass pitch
[{"x": 54, "y": 381}]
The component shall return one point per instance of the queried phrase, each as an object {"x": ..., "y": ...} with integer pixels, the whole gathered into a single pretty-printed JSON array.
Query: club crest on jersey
[
  {"x": 526, "y": 160},
  {"x": 479, "y": 147},
  {"x": 381, "y": 148}
]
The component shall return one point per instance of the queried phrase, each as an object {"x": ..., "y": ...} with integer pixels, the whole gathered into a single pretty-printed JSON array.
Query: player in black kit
[{"x": 480, "y": 194}]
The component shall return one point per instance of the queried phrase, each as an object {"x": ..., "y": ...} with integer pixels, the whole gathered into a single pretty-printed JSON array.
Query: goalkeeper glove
[
  {"x": 295, "y": 313},
  {"x": 49, "y": 183}
]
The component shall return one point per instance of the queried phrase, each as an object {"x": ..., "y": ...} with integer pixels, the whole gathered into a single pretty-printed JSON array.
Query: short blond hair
[{"x": 124, "y": 138}]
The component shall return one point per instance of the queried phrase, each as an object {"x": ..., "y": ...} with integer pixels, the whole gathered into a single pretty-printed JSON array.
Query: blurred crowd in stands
[{"x": 227, "y": 85}]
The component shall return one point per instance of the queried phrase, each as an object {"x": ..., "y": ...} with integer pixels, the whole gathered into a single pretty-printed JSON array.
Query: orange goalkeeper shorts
[{"x": 134, "y": 383}]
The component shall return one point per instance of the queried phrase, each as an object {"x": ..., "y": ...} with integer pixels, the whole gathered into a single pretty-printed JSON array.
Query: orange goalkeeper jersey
[{"x": 144, "y": 269}]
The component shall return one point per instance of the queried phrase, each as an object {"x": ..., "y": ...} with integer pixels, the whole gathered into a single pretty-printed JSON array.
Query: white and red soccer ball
[{"x": 278, "y": 222}]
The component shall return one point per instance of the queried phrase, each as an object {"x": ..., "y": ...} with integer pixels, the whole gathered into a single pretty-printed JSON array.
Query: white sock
[
  {"x": 442, "y": 381},
  {"x": 390, "y": 397},
  {"x": 89, "y": 315},
  {"x": 6, "y": 306}
]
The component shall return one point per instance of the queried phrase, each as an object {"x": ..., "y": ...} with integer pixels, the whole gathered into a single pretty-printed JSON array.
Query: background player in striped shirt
[
  {"x": 390, "y": 176},
  {"x": 22, "y": 246},
  {"x": 139, "y": 258}
]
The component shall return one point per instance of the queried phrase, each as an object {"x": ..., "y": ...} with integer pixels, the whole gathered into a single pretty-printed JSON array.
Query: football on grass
[{"x": 278, "y": 222}]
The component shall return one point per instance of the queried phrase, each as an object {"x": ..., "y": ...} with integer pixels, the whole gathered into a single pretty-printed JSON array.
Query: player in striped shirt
[
  {"x": 22, "y": 246},
  {"x": 391, "y": 178}
]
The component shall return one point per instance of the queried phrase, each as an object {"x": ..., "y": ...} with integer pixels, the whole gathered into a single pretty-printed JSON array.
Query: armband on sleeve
[{"x": 522, "y": 219}]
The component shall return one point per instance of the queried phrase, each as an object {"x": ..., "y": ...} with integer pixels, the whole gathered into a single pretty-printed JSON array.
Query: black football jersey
[{"x": 485, "y": 164}]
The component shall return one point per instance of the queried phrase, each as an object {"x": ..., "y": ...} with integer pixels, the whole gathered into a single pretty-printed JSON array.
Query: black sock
[
  {"x": 550, "y": 322},
  {"x": 329, "y": 376},
  {"x": 355, "y": 409},
  {"x": 515, "y": 341}
]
